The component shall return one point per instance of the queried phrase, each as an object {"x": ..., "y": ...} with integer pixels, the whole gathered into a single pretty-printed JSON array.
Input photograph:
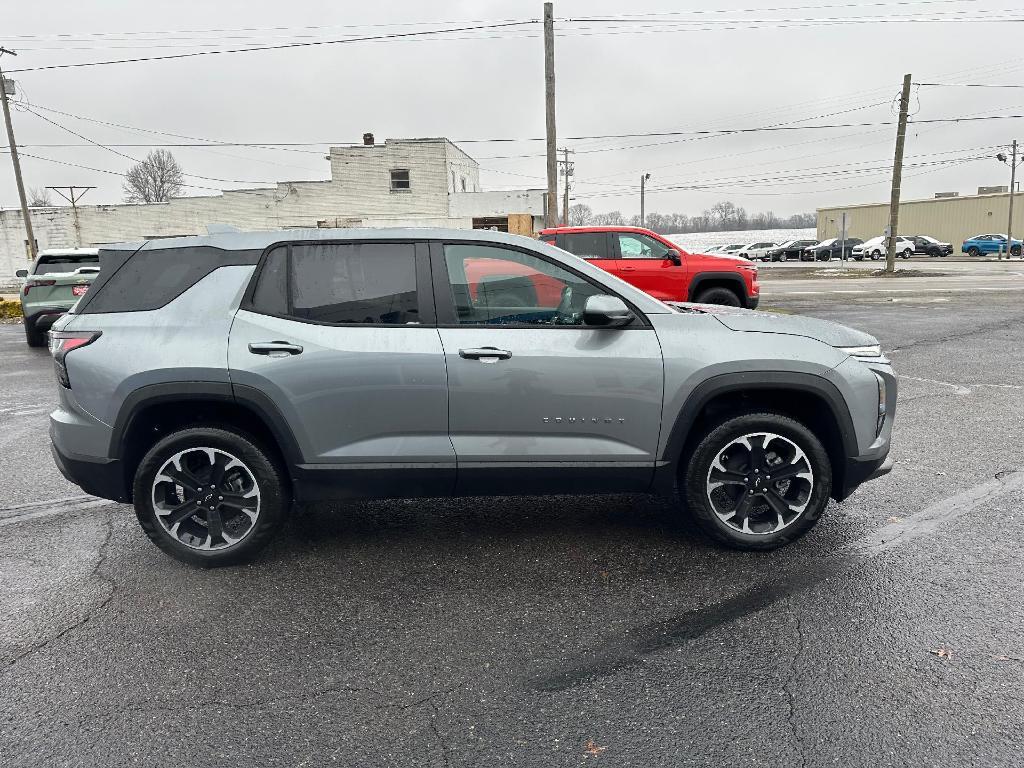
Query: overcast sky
[{"x": 697, "y": 66}]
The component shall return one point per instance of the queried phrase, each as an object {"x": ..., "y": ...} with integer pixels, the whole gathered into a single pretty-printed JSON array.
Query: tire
[
  {"x": 827, "y": 256},
  {"x": 973, "y": 251},
  {"x": 804, "y": 497},
  {"x": 858, "y": 258},
  {"x": 906, "y": 253},
  {"x": 258, "y": 472},
  {"x": 34, "y": 337},
  {"x": 876, "y": 255},
  {"x": 1015, "y": 250},
  {"x": 720, "y": 295}
]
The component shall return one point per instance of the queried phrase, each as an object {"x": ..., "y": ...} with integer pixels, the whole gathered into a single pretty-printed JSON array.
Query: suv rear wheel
[
  {"x": 719, "y": 295},
  {"x": 33, "y": 336},
  {"x": 758, "y": 481},
  {"x": 209, "y": 496}
]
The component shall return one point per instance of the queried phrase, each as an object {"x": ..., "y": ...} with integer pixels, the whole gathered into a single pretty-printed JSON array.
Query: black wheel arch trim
[
  {"x": 181, "y": 391},
  {"x": 705, "y": 277},
  {"x": 740, "y": 381}
]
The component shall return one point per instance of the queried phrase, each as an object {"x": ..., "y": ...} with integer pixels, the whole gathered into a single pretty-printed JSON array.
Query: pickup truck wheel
[
  {"x": 34, "y": 337},
  {"x": 719, "y": 295},
  {"x": 209, "y": 496},
  {"x": 757, "y": 481}
]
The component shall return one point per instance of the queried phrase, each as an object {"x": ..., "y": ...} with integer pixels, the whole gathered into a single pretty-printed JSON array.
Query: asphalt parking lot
[{"x": 551, "y": 632}]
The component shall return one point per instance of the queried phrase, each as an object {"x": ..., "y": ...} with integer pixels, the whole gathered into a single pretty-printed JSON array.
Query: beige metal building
[{"x": 950, "y": 219}]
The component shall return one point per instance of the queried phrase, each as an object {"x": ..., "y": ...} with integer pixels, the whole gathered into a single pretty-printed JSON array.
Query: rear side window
[
  {"x": 343, "y": 283},
  {"x": 150, "y": 279},
  {"x": 587, "y": 245}
]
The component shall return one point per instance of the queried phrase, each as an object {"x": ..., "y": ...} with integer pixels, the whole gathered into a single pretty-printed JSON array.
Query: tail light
[
  {"x": 37, "y": 284},
  {"x": 63, "y": 342}
]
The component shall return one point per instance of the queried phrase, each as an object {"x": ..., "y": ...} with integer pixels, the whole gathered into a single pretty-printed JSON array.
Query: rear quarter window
[{"x": 150, "y": 279}]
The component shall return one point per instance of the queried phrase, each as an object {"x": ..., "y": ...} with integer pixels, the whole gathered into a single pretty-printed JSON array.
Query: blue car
[{"x": 980, "y": 244}]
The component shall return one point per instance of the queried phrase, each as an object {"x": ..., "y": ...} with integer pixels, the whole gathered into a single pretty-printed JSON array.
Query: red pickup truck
[{"x": 659, "y": 267}]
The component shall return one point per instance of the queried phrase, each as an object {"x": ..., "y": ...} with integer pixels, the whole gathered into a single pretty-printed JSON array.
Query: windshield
[
  {"x": 830, "y": 241},
  {"x": 787, "y": 244},
  {"x": 50, "y": 264}
]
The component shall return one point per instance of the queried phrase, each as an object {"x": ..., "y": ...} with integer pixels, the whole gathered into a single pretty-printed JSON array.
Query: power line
[
  {"x": 968, "y": 85},
  {"x": 282, "y": 46}
]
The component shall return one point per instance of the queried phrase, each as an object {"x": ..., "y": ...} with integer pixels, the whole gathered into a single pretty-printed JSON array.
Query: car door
[
  {"x": 538, "y": 401},
  {"x": 338, "y": 339},
  {"x": 595, "y": 247},
  {"x": 648, "y": 264}
]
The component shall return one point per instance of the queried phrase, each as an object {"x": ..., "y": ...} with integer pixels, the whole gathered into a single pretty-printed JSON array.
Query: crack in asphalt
[
  {"x": 94, "y": 573},
  {"x": 629, "y": 649},
  {"x": 437, "y": 734},
  {"x": 787, "y": 688},
  {"x": 978, "y": 331}
]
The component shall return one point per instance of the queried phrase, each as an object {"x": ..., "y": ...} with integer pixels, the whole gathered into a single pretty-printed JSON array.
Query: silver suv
[{"x": 216, "y": 380}]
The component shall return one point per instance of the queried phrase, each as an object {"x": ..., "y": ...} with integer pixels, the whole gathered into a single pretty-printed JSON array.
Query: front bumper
[{"x": 102, "y": 477}]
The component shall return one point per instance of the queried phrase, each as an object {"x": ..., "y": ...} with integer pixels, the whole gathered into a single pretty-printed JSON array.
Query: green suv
[{"x": 56, "y": 281}]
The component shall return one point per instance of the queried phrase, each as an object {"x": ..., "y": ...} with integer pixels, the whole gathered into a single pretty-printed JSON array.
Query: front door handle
[
  {"x": 275, "y": 348},
  {"x": 485, "y": 354},
  {"x": 627, "y": 269}
]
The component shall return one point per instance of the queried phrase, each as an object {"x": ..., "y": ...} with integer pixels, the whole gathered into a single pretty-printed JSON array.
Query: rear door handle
[
  {"x": 275, "y": 348},
  {"x": 485, "y": 354}
]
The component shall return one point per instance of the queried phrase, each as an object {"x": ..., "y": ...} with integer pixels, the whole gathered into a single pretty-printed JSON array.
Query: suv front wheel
[
  {"x": 209, "y": 496},
  {"x": 758, "y": 481}
]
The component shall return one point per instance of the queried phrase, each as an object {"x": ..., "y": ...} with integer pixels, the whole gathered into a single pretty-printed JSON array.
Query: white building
[{"x": 403, "y": 182}]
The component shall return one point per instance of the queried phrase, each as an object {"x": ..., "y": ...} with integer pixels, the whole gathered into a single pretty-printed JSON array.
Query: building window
[{"x": 400, "y": 180}]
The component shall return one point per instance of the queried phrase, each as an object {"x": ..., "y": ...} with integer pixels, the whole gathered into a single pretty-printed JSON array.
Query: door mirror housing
[
  {"x": 673, "y": 256},
  {"x": 23, "y": 273},
  {"x": 607, "y": 312}
]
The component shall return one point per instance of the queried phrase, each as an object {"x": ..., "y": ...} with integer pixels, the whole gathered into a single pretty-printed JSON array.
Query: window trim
[
  {"x": 391, "y": 180},
  {"x": 424, "y": 284},
  {"x": 444, "y": 305}
]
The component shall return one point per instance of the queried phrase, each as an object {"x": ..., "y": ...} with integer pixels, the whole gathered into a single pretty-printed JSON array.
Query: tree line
[{"x": 721, "y": 217}]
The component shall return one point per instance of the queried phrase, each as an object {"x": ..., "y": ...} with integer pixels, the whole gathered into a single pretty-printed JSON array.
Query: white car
[
  {"x": 756, "y": 251},
  {"x": 875, "y": 248}
]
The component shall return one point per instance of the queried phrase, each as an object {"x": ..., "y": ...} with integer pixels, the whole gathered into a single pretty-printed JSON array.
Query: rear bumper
[
  {"x": 753, "y": 301},
  {"x": 103, "y": 477},
  {"x": 43, "y": 317}
]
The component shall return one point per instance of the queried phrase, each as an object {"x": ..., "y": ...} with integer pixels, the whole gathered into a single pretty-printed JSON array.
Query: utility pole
[
  {"x": 72, "y": 198},
  {"x": 1012, "y": 160},
  {"x": 897, "y": 178},
  {"x": 17, "y": 163},
  {"x": 551, "y": 217},
  {"x": 566, "y": 169},
  {"x": 643, "y": 189}
]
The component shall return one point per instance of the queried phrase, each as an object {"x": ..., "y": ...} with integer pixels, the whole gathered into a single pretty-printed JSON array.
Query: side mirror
[
  {"x": 673, "y": 256},
  {"x": 607, "y": 312},
  {"x": 21, "y": 273}
]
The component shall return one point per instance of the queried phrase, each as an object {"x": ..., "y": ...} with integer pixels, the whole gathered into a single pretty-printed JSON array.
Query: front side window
[
  {"x": 492, "y": 285},
  {"x": 350, "y": 283},
  {"x": 632, "y": 246},
  {"x": 400, "y": 180}
]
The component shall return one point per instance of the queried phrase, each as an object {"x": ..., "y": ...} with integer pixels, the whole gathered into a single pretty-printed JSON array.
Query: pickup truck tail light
[
  {"x": 63, "y": 342},
  {"x": 36, "y": 284}
]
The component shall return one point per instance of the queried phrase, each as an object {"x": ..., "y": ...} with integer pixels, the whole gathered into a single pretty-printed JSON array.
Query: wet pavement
[{"x": 545, "y": 632}]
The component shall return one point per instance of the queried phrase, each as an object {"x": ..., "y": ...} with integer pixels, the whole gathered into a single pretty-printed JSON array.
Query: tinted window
[
  {"x": 50, "y": 264},
  {"x": 499, "y": 286},
  {"x": 640, "y": 247},
  {"x": 588, "y": 245},
  {"x": 149, "y": 279},
  {"x": 271, "y": 294},
  {"x": 366, "y": 283}
]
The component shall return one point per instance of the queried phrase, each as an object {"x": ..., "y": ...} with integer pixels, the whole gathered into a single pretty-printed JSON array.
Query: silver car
[{"x": 214, "y": 381}]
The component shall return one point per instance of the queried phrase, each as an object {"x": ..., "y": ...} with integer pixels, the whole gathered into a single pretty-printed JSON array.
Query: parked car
[
  {"x": 984, "y": 244},
  {"x": 929, "y": 246},
  {"x": 834, "y": 248},
  {"x": 659, "y": 267},
  {"x": 56, "y": 280},
  {"x": 269, "y": 368},
  {"x": 732, "y": 248},
  {"x": 756, "y": 251},
  {"x": 791, "y": 249},
  {"x": 876, "y": 248}
]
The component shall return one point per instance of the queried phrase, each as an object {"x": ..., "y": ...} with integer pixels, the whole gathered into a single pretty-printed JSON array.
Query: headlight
[{"x": 873, "y": 350}]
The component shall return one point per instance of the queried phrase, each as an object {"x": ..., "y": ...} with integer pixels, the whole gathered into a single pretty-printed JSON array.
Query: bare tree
[
  {"x": 610, "y": 219},
  {"x": 156, "y": 179},
  {"x": 580, "y": 215},
  {"x": 39, "y": 196}
]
